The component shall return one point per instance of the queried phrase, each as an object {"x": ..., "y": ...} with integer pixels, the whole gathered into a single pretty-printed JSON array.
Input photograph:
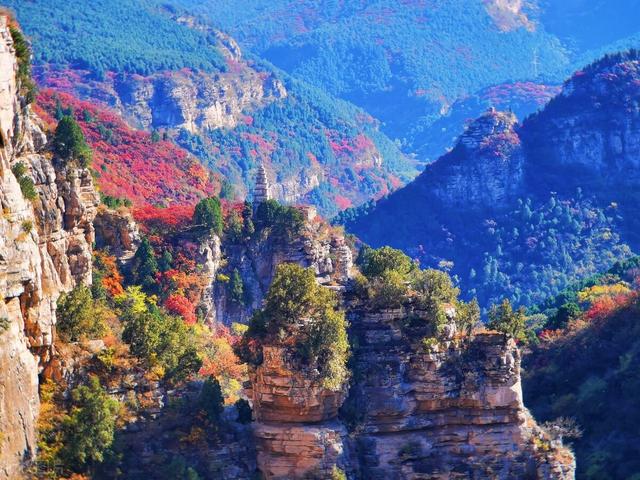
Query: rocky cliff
[
  {"x": 318, "y": 245},
  {"x": 45, "y": 249},
  {"x": 450, "y": 410}
]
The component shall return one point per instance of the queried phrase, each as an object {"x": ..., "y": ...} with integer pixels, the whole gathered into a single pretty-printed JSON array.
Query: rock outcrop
[
  {"x": 297, "y": 432},
  {"x": 45, "y": 249},
  {"x": 449, "y": 410},
  {"x": 454, "y": 411},
  {"x": 485, "y": 168},
  {"x": 318, "y": 246},
  {"x": 117, "y": 231}
]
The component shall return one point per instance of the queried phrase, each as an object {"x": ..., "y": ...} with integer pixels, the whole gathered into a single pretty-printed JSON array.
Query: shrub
[
  {"x": 69, "y": 142},
  {"x": 79, "y": 316},
  {"x": 27, "y": 226},
  {"x": 27, "y": 187},
  {"x": 23, "y": 54},
  {"x": 236, "y": 288}
]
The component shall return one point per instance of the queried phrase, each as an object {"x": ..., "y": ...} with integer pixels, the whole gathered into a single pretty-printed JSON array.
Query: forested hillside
[
  {"x": 408, "y": 62},
  {"x": 525, "y": 209}
]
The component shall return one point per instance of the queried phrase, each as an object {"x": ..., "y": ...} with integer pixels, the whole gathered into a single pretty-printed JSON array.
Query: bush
[
  {"x": 27, "y": 187},
  {"x": 79, "y": 316},
  {"x": 69, "y": 142},
  {"x": 23, "y": 53},
  {"x": 208, "y": 214},
  {"x": 144, "y": 265}
]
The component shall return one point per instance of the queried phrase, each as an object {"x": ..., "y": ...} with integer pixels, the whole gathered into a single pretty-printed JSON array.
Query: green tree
[
  {"x": 211, "y": 400},
  {"x": 79, "y": 316},
  {"x": 236, "y": 287},
  {"x": 69, "y": 142},
  {"x": 155, "y": 136},
  {"x": 88, "y": 431},
  {"x": 505, "y": 319},
  {"x": 248, "y": 228},
  {"x": 159, "y": 339},
  {"x": 302, "y": 316},
  {"x": 27, "y": 187},
  {"x": 208, "y": 214},
  {"x": 144, "y": 266},
  {"x": 374, "y": 262}
]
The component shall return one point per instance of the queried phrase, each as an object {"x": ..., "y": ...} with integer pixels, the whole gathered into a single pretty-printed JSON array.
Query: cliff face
[
  {"x": 486, "y": 168},
  {"x": 45, "y": 249},
  {"x": 453, "y": 411},
  {"x": 256, "y": 259}
]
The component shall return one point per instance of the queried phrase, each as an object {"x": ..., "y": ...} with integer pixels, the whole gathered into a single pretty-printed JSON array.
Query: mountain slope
[
  {"x": 407, "y": 62},
  {"x": 232, "y": 115},
  {"x": 585, "y": 368},
  {"x": 523, "y": 209}
]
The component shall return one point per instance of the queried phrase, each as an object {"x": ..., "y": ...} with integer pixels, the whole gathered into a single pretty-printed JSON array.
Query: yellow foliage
[{"x": 591, "y": 294}]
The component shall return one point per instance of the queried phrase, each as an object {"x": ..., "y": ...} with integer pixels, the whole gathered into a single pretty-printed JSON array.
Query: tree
[
  {"x": 69, "y": 142},
  {"x": 504, "y": 319},
  {"x": 244, "y": 411},
  {"x": 157, "y": 338},
  {"x": 374, "y": 262},
  {"x": 236, "y": 287},
  {"x": 211, "y": 400},
  {"x": 248, "y": 228},
  {"x": 303, "y": 317},
  {"x": 144, "y": 265},
  {"x": 88, "y": 431},
  {"x": 79, "y": 316},
  {"x": 208, "y": 214}
]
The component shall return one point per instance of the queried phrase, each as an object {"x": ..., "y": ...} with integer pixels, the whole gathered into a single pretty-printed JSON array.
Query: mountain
[
  {"x": 524, "y": 209},
  {"x": 231, "y": 111},
  {"x": 582, "y": 369},
  {"x": 407, "y": 63}
]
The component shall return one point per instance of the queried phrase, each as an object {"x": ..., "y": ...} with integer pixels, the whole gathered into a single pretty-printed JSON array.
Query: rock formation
[
  {"x": 296, "y": 429},
  {"x": 118, "y": 231},
  {"x": 317, "y": 246},
  {"x": 45, "y": 249},
  {"x": 455, "y": 411}
]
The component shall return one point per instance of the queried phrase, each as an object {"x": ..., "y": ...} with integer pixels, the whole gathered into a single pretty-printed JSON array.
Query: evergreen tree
[
  {"x": 211, "y": 400},
  {"x": 248, "y": 228},
  {"x": 69, "y": 142},
  {"x": 504, "y": 319},
  {"x": 88, "y": 431},
  {"x": 236, "y": 287},
  {"x": 208, "y": 214},
  {"x": 144, "y": 265}
]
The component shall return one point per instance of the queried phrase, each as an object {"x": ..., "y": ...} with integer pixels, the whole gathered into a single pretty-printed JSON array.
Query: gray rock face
[
  {"x": 256, "y": 260},
  {"x": 117, "y": 230},
  {"x": 45, "y": 249},
  {"x": 486, "y": 168}
]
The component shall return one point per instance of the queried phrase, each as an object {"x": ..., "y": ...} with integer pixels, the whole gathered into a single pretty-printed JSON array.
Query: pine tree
[
  {"x": 208, "y": 214},
  {"x": 69, "y": 142},
  {"x": 144, "y": 266}
]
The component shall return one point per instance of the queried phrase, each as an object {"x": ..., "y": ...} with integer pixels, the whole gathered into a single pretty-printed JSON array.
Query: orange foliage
[
  {"x": 180, "y": 305},
  {"x": 112, "y": 281}
]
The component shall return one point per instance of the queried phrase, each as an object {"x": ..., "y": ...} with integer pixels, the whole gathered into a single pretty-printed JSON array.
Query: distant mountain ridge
[{"x": 524, "y": 208}]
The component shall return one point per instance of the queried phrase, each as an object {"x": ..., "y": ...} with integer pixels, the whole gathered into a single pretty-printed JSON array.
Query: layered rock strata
[
  {"x": 296, "y": 430},
  {"x": 452, "y": 411},
  {"x": 45, "y": 249}
]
